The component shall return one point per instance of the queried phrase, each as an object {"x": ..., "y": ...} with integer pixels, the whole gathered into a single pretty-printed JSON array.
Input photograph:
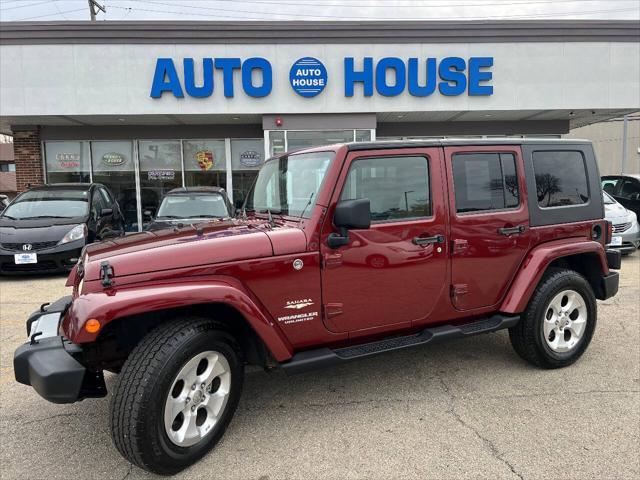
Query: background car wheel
[
  {"x": 176, "y": 395},
  {"x": 558, "y": 324}
]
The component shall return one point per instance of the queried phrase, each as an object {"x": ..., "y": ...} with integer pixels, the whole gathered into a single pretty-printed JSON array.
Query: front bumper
[
  {"x": 60, "y": 258},
  {"x": 630, "y": 239},
  {"x": 52, "y": 365}
]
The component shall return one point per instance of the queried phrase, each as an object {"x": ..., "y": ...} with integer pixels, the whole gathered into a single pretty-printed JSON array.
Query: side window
[
  {"x": 485, "y": 181},
  {"x": 398, "y": 187},
  {"x": 609, "y": 185},
  {"x": 561, "y": 178},
  {"x": 630, "y": 190}
]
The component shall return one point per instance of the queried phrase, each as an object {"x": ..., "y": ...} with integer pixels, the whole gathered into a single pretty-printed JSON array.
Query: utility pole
[
  {"x": 93, "y": 5},
  {"x": 625, "y": 138}
]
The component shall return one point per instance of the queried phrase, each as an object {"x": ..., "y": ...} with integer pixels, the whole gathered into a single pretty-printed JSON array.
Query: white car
[{"x": 626, "y": 232}]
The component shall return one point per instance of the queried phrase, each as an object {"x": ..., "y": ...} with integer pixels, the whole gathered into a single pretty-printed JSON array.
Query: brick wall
[{"x": 28, "y": 158}]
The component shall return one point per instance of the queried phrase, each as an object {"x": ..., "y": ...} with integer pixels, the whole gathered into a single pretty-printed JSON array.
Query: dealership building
[{"x": 144, "y": 107}]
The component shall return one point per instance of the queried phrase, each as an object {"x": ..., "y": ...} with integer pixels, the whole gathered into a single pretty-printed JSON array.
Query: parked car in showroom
[
  {"x": 45, "y": 228},
  {"x": 481, "y": 235},
  {"x": 626, "y": 232},
  {"x": 625, "y": 189},
  {"x": 188, "y": 206}
]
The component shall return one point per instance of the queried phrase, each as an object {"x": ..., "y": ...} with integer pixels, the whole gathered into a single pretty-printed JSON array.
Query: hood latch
[{"x": 106, "y": 272}]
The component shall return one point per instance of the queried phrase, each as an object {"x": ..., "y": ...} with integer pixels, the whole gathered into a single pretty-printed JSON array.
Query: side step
[{"x": 324, "y": 357}]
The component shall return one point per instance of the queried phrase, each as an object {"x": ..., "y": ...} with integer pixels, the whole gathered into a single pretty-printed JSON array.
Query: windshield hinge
[{"x": 106, "y": 272}]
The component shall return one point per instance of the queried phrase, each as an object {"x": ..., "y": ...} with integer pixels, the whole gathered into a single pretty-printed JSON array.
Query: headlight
[
  {"x": 76, "y": 233},
  {"x": 632, "y": 216}
]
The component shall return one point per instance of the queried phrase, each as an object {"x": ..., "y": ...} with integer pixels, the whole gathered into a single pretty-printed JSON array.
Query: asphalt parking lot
[{"x": 466, "y": 409}]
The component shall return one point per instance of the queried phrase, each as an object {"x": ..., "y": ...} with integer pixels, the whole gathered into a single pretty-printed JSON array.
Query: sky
[{"x": 331, "y": 10}]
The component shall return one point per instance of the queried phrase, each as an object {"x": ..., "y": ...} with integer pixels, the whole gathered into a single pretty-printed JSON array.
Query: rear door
[
  {"x": 489, "y": 222},
  {"x": 391, "y": 273}
]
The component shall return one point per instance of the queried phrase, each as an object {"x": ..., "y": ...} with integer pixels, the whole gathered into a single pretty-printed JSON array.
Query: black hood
[{"x": 35, "y": 231}]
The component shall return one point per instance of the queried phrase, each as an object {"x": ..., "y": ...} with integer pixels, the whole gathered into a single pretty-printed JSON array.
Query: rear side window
[
  {"x": 561, "y": 178},
  {"x": 485, "y": 181},
  {"x": 397, "y": 187}
]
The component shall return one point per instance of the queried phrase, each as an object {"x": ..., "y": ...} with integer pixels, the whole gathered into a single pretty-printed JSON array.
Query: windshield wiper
[
  {"x": 9, "y": 216},
  {"x": 43, "y": 216},
  {"x": 169, "y": 216},
  {"x": 203, "y": 216}
]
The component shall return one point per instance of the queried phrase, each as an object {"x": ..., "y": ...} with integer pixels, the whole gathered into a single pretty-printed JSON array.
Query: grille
[
  {"x": 34, "y": 246},
  {"x": 621, "y": 227}
]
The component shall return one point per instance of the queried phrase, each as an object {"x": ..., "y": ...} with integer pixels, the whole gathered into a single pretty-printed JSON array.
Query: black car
[
  {"x": 190, "y": 205},
  {"x": 625, "y": 189},
  {"x": 45, "y": 228}
]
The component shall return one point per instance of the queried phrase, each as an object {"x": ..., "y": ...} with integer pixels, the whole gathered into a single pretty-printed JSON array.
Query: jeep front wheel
[
  {"x": 559, "y": 321},
  {"x": 176, "y": 395}
]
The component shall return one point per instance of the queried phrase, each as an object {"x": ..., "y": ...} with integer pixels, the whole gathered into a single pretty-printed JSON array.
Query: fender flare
[
  {"x": 109, "y": 305},
  {"x": 536, "y": 263}
]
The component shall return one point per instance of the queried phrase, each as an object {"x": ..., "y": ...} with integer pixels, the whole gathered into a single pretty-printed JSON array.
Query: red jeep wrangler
[{"x": 340, "y": 252}]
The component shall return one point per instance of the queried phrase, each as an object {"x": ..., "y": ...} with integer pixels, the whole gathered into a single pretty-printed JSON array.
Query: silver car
[{"x": 626, "y": 232}]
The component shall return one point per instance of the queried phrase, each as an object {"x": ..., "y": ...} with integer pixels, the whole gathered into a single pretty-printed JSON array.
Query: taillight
[{"x": 609, "y": 234}]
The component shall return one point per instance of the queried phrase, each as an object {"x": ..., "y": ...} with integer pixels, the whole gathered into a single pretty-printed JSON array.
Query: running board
[{"x": 324, "y": 357}]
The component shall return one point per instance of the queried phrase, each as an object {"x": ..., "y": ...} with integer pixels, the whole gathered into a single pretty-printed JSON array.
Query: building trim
[{"x": 295, "y": 32}]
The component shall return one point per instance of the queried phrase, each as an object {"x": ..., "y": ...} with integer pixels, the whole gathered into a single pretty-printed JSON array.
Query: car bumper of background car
[
  {"x": 630, "y": 239},
  {"x": 60, "y": 258}
]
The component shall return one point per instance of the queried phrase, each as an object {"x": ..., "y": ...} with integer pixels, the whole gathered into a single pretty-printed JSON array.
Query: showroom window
[
  {"x": 247, "y": 156},
  {"x": 67, "y": 162},
  {"x": 205, "y": 163},
  {"x": 281, "y": 141},
  {"x": 160, "y": 171},
  {"x": 113, "y": 166}
]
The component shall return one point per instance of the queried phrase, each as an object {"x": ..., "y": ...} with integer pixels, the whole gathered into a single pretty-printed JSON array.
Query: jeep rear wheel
[
  {"x": 558, "y": 324},
  {"x": 176, "y": 394}
]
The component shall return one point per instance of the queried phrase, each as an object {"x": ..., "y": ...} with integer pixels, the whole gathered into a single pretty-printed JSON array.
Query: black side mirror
[
  {"x": 349, "y": 214},
  {"x": 106, "y": 211}
]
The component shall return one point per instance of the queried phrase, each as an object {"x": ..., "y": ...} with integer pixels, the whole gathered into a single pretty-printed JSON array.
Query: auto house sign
[{"x": 113, "y": 159}]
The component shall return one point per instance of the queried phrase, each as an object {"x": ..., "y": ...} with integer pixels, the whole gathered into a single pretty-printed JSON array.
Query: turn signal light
[{"x": 92, "y": 325}]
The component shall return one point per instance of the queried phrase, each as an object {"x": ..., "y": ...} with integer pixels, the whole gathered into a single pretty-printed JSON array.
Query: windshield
[
  {"x": 193, "y": 206},
  {"x": 607, "y": 199},
  {"x": 288, "y": 185},
  {"x": 49, "y": 204}
]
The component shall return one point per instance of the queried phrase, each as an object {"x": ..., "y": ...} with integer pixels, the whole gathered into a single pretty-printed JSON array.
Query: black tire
[
  {"x": 138, "y": 402},
  {"x": 527, "y": 337}
]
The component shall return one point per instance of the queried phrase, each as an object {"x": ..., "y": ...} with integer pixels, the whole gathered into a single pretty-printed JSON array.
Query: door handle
[
  {"x": 428, "y": 240},
  {"x": 512, "y": 230}
]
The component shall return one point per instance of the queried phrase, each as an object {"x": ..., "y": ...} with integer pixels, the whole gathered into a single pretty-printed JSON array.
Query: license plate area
[
  {"x": 616, "y": 241},
  {"x": 25, "y": 258},
  {"x": 47, "y": 324}
]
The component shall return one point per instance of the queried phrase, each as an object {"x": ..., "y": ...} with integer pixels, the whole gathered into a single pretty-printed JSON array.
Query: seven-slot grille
[
  {"x": 621, "y": 227},
  {"x": 34, "y": 246}
]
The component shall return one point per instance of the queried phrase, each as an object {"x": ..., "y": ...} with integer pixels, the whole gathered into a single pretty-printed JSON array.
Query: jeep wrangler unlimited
[{"x": 340, "y": 252}]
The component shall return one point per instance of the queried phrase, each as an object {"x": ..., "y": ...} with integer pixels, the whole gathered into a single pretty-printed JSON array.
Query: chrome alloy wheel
[
  {"x": 197, "y": 398},
  {"x": 565, "y": 321}
]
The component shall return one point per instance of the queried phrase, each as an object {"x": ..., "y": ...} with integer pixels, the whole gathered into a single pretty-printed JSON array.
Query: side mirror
[
  {"x": 350, "y": 214},
  {"x": 106, "y": 211}
]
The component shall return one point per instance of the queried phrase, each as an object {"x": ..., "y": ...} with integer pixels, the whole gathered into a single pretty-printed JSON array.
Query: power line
[
  {"x": 49, "y": 15},
  {"x": 306, "y": 15},
  {"x": 23, "y": 6},
  {"x": 262, "y": 14}
]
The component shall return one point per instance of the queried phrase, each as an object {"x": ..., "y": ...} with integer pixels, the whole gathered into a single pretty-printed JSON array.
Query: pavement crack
[
  {"x": 50, "y": 417},
  {"x": 126, "y": 475},
  {"x": 490, "y": 446}
]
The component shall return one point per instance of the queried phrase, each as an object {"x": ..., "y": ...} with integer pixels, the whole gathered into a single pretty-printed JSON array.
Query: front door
[
  {"x": 489, "y": 222},
  {"x": 395, "y": 271}
]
